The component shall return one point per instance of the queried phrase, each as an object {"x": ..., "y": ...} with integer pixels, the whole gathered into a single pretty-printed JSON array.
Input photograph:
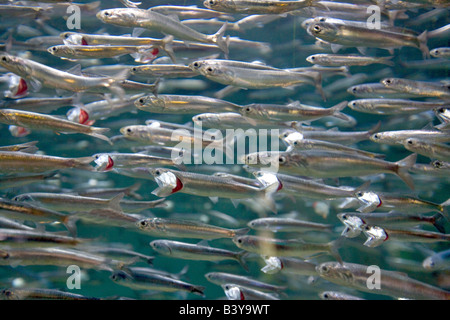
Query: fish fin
[
  {"x": 336, "y": 47},
  {"x": 214, "y": 199},
  {"x": 241, "y": 259},
  {"x": 235, "y": 202},
  {"x": 98, "y": 133},
  {"x": 168, "y": 47},
  {"x": 36, "y": 85},
  {"x": 198, "y": 290},
  {"x": 137, "y": 32},
  {"x": 114, "y": 203},
  {"x": 218, "y": 39},
  {"x": 162, "y": 192},
  {"x": 242, "y": 231},
  {"x": 402, "y": 169},
  {"x": 334, "y": 247},
  {"x": 423, "y": 39},
  {"x": 439, "y": 221},
  {"x": 70, "y": 223},
  {"x": 387, "y": 61},
  {"x": 337, "y": 111},
  {"x": 84, "y": 163}
]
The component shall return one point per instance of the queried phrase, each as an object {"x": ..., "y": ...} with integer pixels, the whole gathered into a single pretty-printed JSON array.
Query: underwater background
[{"x": 282, "y": 43}]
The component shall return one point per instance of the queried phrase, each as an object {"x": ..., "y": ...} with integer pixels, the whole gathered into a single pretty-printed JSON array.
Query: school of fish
[{"x": 225, "y": 149}]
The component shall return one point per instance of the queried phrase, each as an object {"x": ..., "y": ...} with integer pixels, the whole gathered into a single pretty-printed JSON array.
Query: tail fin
[
  {"x": 334, "y": 247},
  {"x": 241, "y": 259},
  {"x": 114, "y": 203},
  {"x": 439, "y": 221},
  {"x": 386, "y": 61},
  {"x": 402, "y": 169},
  {"x": 84, "y": 163},
  {"x": 218, "y": 39},
  {"x": 337, "y": 111},
  {"x": 423, "y": 39},
  {"x": 167, "y": 47},
  {"x": 98, "y": 133}
]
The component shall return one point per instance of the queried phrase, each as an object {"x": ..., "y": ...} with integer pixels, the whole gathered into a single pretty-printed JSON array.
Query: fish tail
[
  {"x": 439, "y": 220},
  {"x": 337, "y": 111},
  {"x": 387, "y": 61},
  {"x": 198, "y": 290},
  {"x": 423, "y": 46},
  {"x": 168, "y": 48},
  {"x": 114, "y": 203},
  {"x": 98, "y": 133},
  {"x": 402, "y": 169},
  {"x": 70, "y": 223},
  {"x": 84, "y": 163},
  {"x": 218, "y": 39},
  {"x": 241, "y": 259},
  {"x": 334, "y": 249},
  {"x": 240, "y": 232}
]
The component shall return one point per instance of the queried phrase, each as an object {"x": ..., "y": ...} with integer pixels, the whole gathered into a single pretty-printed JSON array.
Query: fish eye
[
  {"x": 437, "y": 164},
  {"x": 248, "y": 109},
  {"x": 239, "y": 240},
  {"x": 4, "y": 59},
  {"x": 211, "y": 2},
  {"x": 54, "y": 48},
  {"x": 129, "y": 130},
  {"x": 322, "y": 19},
  {"x": 96, "y": 156},
  {"x": 354, "y": 90},
  {"x": 143, "y": 223},
  {"x": 199, "y": 118},
  {"x": 441, "y": 110},
  {"x": 388, "y": 81},
  {"x": 157, "y": 172},
  {"x": 376, "y": 136},
  {"x": 209, "y": 69},
  {"x": 106, "y": 13},
  {"x": 344, "y": 217},
  {"x": 317, "y": 28},
  {"x": 409, "y": 141},
  {"x": 134, "y": 69},
  {"x": 281, "y": 159},
  {"x": 195, "y": 64},
  {"x": 325, "y": 295},
  {"x": 141, "y": 101},
  {"x": 312, "y": 57},
  {"x": 359, "y": 194},
  {"x": 324, "y": 268}
]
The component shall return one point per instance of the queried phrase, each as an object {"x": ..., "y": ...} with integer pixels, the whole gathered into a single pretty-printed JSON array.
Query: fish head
[
  {"x": 145, "y": 224},
  {"x": 161, "y": 246},
  {"x": 249, "y": 110},
  {"x": 150, "y": 102},
  {"x": 78, "y": 115},
  {"x": 195, "y": 65},
  {"x": 220, "y": 5},
  {"x": 103, "y": 162},
  {"x": 429, "y": 263},
  {"x": 17, "y": 131},
  {"x": 120, "y": 276},
  {"x": 168, "y": 182},
  {"x": 413, "y": 144},
  {"x": 312, "y": 58},
  {"x": 322, "y": 29},
  {"x": 375, "y": 236},
  {"x": 390, "y": 82},
  {"x": 7, "y": 294},
  {"x": 353, "y": 225},
  {"x": 119, "y": 16},
  {"x": 217, "y": 73},
  {"x": 335, "y": 272},
  {"x": 132, "y": 132},
  {"x": 15, "y": 64},
  {"x": 377, "y": 137}
]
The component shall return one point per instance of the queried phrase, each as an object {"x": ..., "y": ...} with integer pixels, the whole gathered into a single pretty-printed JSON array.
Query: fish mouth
[{"x": 168, "y": 183}]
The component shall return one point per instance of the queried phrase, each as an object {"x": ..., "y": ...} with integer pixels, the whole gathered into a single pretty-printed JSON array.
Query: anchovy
[{"x": 394, "y": 284}]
